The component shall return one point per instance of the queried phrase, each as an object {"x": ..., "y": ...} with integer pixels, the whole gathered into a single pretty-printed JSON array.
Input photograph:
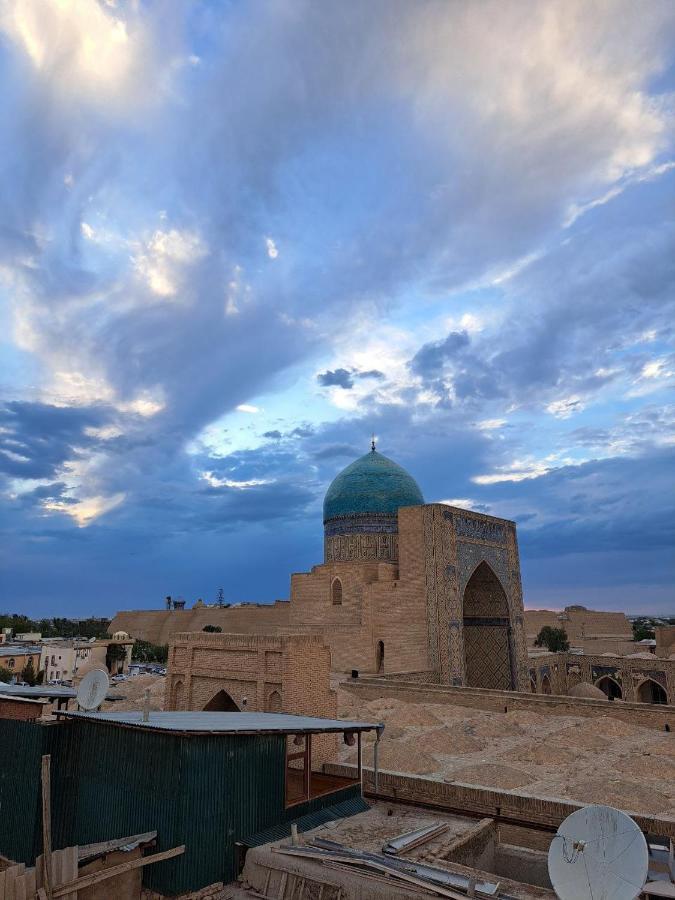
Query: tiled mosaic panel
[{"x": 488, "y": 663}]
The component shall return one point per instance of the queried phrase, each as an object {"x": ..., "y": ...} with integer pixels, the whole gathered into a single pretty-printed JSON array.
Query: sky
[{"x": 238, "y": 238}]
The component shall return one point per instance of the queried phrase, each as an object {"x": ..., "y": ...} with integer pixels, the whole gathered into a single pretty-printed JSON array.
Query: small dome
[
  {"x": 584, "y": 689},
  {"x": 120, "y": 636},
  {"x": 371, "y": 485}
]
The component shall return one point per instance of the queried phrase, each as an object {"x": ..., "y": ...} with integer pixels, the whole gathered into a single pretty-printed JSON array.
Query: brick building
[
  {"x": 259, "y": 673},
  {"x": 404, "y": 586}
]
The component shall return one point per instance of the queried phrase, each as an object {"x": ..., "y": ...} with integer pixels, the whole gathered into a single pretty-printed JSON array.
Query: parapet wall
[
  {"x": 646, "y": 715},
  {"x": 510, "y": 806},
  {"x": 157, "y": 626}
]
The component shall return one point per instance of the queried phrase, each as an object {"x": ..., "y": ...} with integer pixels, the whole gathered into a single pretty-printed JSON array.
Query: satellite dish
[
  {"x": 598, "y": 853},
  {"x": 93, "y": 689}
]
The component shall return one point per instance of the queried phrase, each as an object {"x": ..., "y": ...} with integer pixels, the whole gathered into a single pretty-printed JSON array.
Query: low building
[
  {"x": 244, "y": 672},
  {"x": 14, "y": 658},
  {"x": 66, "y": 659},
  {"x": 223, "y": 777}
]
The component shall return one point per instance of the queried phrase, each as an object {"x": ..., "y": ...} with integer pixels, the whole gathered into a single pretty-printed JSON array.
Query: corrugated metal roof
[
  {"x": 52, "y": 692},
  {"x": 226, "y": 722},
  {"x": 13, "y": 650},
  {"x": 309, "y": 821}
]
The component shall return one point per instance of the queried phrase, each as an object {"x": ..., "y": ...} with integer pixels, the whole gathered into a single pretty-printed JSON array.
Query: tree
[
  {"x": 641, "y": 630},
  {"x": 28, "y": 672},
  {"x": 212, "y": 628},
  {"x": 5, "y": 675},
  {"x": 554, "y": 639},
  {"x": 144, "y": 651},
  {"x": 115, "y": 653}
]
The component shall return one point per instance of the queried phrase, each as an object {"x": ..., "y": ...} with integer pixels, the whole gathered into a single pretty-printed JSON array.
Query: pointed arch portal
[
  {"x": 221, "y": 702},
  {"x": 487, "y": 632}
]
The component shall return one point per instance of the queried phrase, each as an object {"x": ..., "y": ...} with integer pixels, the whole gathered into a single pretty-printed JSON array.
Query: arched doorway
[
  {"x": 546, "y": 685},
  {"x": 487, "y": 632},
  {"x": 610, "y": 687},
  {"x": 178, "y": 692},
  {"x": 221, "y": 702},
  {"x": 533, "y": 685},
  {"x": 274, "y": 702},
  {"x": 651, "y": 692},
  {"x": 380, "y": 656}
]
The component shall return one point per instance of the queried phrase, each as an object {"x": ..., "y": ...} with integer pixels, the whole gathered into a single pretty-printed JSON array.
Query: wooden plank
[
  {"x": 29, "y": 878},
  {"x": 79, "y": 884},
  {"x": 86, "y": 850},
  {"x": 38, "y": 873},
  {"x": 282, "y": 885},
  {"x": 2, "y": 882},
  {"x": 47, "y": 825},
  {"x": 69, "y": 870}
]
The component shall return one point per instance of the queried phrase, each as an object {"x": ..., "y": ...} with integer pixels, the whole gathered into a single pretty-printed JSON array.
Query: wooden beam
[
  {"x": 47, "y": 825},
  {"x": 104, "y": 874}
]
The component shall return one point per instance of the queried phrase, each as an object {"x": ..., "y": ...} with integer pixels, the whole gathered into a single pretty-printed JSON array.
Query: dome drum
[{"x": 360, "y": 510}]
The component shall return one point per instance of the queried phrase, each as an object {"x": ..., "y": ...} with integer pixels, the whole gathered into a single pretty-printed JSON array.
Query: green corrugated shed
[{"x": 206, "y": 791}]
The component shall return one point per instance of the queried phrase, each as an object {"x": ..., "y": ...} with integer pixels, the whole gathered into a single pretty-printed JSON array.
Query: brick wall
[
  {"x": 579, "y": 624},
  {"x": 16, "y": 708},
  {"x": 273, "y": 673},
  {"x": 485, "y": 802}
]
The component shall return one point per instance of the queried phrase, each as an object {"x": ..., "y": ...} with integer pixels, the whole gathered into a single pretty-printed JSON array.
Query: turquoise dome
[{"x": 371, "y": 485}]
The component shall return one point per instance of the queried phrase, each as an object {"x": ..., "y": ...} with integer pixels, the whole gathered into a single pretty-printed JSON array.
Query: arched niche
[
  {"x": 610, "y": 686},
  {"x": 221, "y": 702},
  {"x": 488, "y": 655},
  {"x": 651, "y": 691}
]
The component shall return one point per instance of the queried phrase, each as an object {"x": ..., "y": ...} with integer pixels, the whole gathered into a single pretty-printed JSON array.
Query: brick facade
[
  {"x": 263, "y": 673},
  {"x": 452, "y": 603}
]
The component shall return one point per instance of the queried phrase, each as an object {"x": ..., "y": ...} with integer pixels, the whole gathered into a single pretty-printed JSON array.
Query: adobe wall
[
  {"x": 158, "y": 625},
  {"x": 665, "y": 640},
  {"x": 629, "y": 673},
  {"x": 643, "y": 714},
  {"x": 271, "y": 673},
  {"x": 578, "y": 624}
]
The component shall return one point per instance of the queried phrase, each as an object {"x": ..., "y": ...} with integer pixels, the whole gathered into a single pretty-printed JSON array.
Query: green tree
[
  {"x": 5, "y": 675},
  {"x": 28, "y": 672},
  {"x": 554, "y": 639},
  {"x": 212, "y": 628},
  {"x": 144, "y": 651},
  {"x": 642, "y": 630},
  {"x": 115, "y": 653}
]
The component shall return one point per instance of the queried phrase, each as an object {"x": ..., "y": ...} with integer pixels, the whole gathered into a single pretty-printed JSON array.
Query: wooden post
[
  {"x": 360, "y": 773},
  {"x": 47, "y": 826}
]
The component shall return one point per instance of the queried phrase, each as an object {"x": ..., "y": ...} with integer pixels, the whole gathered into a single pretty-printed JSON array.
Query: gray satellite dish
[
  {"x": 93, "y": 689},
  {"x": 599, "y": 853}
]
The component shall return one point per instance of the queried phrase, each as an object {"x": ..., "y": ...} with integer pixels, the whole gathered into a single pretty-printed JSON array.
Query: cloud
[
  {"x": 336, "y": 378},
  {"x": 487, "y": 208}
]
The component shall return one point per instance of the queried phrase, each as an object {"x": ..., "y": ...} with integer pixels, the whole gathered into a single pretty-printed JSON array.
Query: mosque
[{"x": 405, "y": 586}]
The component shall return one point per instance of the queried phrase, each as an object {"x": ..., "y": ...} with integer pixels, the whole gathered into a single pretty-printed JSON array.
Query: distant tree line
[{"x": 56, "y": 627}]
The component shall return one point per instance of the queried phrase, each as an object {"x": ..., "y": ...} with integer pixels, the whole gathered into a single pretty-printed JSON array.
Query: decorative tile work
[
  {"x": 488, "y": 663},
  {"x": 479, "y": 529},
  {"x": 361, "y": 547}
]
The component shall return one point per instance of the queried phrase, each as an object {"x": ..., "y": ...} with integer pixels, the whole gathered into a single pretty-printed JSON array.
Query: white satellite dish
[
  {"x": 598, "y": 853},
  {"x": 93, "y": 689}
]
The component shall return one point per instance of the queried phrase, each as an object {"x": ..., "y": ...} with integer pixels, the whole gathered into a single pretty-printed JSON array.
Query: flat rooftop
[
  {"x": 50, "y": 692},
  {"x": 226, "y": 722}
]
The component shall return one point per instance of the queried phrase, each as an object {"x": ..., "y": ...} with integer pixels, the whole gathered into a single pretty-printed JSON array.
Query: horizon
[{"x": 237, "y": 241}]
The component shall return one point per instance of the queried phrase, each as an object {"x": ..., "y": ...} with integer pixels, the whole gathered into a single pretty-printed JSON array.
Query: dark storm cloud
[
  {"x": 36, "y": 438},
  {"x": 430, "y": 358},
  {"x": 274, "y": 435}
]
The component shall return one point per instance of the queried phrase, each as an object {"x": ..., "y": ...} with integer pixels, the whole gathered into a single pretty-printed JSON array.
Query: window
[
  {"x": 10, "y": 662},
  {"x": 336, "y": 592}
]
